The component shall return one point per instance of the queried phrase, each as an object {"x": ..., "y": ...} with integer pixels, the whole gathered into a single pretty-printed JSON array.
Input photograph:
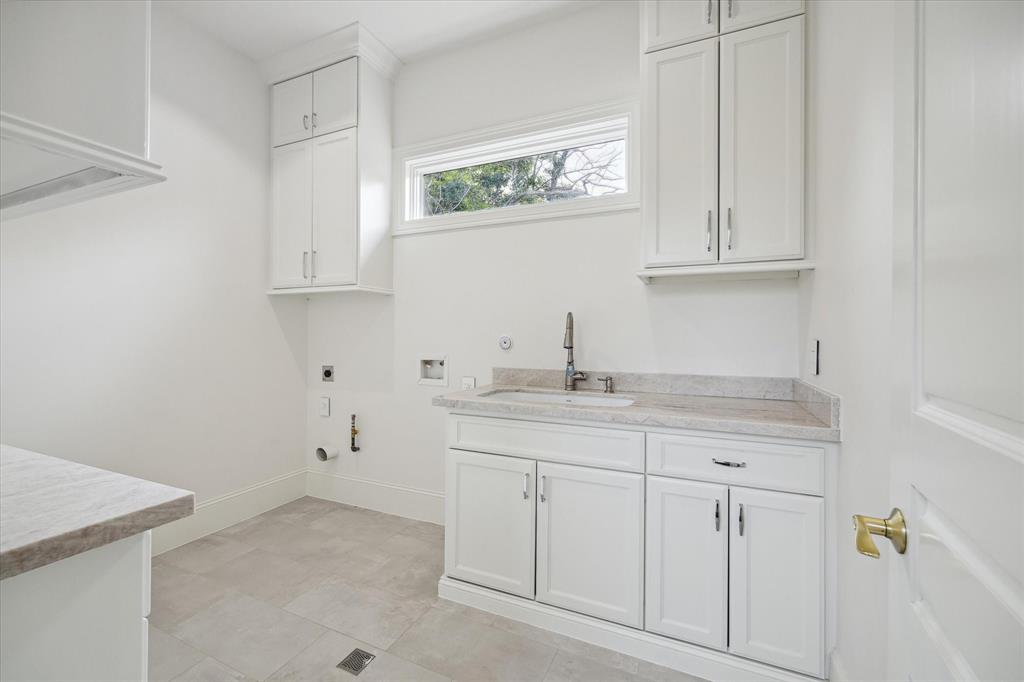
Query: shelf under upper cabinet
[
  {"x": 767, "y": 270},
  {"x": 341, "y": 288}
]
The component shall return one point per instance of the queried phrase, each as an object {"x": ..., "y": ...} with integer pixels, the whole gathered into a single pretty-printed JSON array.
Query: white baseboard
[
  {"x": 687, "y": 658},
  {"x": 412, "y": 503},
  {"x": 227, "y": 510}
]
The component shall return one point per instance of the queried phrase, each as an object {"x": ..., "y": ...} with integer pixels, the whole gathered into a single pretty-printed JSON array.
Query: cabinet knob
[{"x": 894, "y": 528}]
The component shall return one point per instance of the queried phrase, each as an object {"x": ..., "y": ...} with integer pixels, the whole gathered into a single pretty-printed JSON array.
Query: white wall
[
  {"x": 457, "y": 292},
  {"x": 135, "y": 333},
  {"x": 846, "y": 303}
]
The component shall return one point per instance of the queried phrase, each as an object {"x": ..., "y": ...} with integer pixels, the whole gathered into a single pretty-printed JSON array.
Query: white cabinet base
[{"x": 687, "y": 658}]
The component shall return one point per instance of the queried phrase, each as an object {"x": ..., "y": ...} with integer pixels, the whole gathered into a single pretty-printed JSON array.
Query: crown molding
[{"x": 349, "y": 41}]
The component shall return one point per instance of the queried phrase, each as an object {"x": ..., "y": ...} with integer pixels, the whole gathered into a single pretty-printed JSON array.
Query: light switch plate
[
  {"x": 468, "y": 383},
  {"x": 325, "y": 406}
]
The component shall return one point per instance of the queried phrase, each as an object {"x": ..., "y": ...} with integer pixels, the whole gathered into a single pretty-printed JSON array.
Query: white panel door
[
  {"x": 738, "y": 14},
  {"x": 590, "y": 527},
  {"x": 335, "y": 209},
  {"x": 681, "y": 155},
  {"x": 776, "y": 578},
  {"x": 762, "y": 148},
  {"x": 292, "y": 106},
  {"x": 956, "y": 599},
  {"x": 334, "y": 97},
  {"x": 292, "y": 175},
  {"x": 687, "y": 560},
  {"x": 490, "y": 521},
  {"x": 673, "y": 22}
]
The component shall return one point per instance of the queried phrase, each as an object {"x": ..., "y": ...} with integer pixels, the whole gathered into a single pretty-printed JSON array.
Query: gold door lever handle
[{"x": 894, "y": 528}]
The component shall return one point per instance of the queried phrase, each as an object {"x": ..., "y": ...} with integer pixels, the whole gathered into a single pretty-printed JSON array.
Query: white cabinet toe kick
[{"x": 704, "y": 552}]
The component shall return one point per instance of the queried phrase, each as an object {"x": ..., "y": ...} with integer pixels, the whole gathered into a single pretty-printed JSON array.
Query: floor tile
[
  {"x": 247, "y": 634},
  {"x": 576, "y": 647},
  {"x": 301, "y": 543},
  {"x": 209, "y": 670},
  {"x": 361, "y": 527},
  {"x": 365, "y": 613},
  {"x": 169, "y": 656},
  {"x": 319, "y": 662},
  {"x": 274, "y": 579},
  {"x": 657, "y": 673},
  {"x": 411, "y": 569},
  {"x": 303, "y": 510},
  {"x": 178, "y": 595},
  {"x": 431, "y": 532},
  {"x": 203, "y": 554},
  {"x": 568, "y": 667}
]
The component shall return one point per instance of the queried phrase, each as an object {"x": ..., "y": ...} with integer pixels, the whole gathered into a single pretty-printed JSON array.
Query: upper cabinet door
[
  {"x": 490, "y": 521},
  {"x": 680, "y": 212},
  {"x": 334, "y": 97},
  {"x": 761, "y": 148},
  {"x": 590, "y": 527},
  {"x": 292, "y": 209},
  {"x": 335, "y": 185},
  {"x": 776, "y": 578},
  {"x": 738, "y": 14},
  {"x": 687, "y": 560},
  {"x": 673, "y": 22},
  {"x": 292, "y": 117}
]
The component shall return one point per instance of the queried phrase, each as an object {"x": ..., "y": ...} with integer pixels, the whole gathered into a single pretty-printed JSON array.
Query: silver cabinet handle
[
  {"x": 728, "y": 228},
  {"x": 708, "y": 244},
  {"x": 709, "y": 12},
  {"x": 313, "y": 260},
  {"x": 727, "y": 463},
  {"x": 305, "y": 265},
  {"x": 730, "y": 9},
  {"x": 526, "y": 486},
  {"x": 543, "y": 480},
  {"x": 314, "y": 119},
  {"x": 718, "y": 516},
  {"x": 741, "y": 520},
  {"x": 305, "y": 121}
]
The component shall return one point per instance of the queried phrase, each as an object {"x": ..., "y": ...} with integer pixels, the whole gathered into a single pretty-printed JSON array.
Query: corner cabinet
[
  {"x": 708, "y": 550},
  {"x": 331, "y": 157},
  {"x": 723, "y": 148}
]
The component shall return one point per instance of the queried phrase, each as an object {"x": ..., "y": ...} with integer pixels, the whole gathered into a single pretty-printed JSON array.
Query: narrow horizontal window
[{"x": 550, "y": 167}]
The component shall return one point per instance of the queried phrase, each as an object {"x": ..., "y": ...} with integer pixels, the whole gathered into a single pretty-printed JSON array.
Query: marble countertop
[
  {"x": 763, "y": 406},
  {"x": 51, "y": 509}
]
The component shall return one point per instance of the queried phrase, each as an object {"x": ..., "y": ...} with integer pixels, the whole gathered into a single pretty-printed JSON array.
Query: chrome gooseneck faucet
[{"x": 571, "y": 375}]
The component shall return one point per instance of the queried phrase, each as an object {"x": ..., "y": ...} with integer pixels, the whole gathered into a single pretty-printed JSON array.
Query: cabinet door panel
[
  {"x": 761, "y": 199},
  {"x": 292, "y": 175},
  {"x": 490, "y": 521},
  {"x": 687, "y": 560},
  {"x": 335, "y": 209},
  {"x": 776, "y": 573},
  {"x": 292, "y": 109},
  {"x": 674, "y": 22},
  {"x": 590, "y": 526},
  {"x": 738, "y": 14},
  {"x": 681, "y": 155},
  {"x": 334, "y": 97}
]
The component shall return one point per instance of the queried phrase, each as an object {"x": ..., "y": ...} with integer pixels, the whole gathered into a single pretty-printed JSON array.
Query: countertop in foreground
[{"x": 51, "y": 509}]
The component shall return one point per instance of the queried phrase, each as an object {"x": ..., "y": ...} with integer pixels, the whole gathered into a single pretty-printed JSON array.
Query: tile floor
[{"x": 288, "y": 594}]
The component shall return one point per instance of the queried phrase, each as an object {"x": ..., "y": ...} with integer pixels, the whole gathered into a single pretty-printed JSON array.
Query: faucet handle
[{"x": 609, "y": 387}]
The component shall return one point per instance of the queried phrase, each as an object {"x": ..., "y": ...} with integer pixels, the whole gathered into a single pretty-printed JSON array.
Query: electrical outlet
[
  {"x": 468, "y": 383},
  {"x": 325, "y": 406},
  {"x": 327, "y": 373}
]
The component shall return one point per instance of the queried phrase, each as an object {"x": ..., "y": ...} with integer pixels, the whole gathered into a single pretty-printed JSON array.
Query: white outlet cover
[
  {"x": 325, "y": 406},
  {"x": 468, "y": 383}
]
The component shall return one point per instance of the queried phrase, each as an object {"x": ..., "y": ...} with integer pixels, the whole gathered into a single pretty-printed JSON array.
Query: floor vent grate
[{"x": 356, "y": 661}]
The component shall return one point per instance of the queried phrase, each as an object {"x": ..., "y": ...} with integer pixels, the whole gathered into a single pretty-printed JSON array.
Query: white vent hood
[{"x": 74, "y": 102}]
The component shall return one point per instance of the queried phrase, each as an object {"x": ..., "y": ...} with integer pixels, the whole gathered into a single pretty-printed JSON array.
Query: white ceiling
[{"x": 410, "y": 28}]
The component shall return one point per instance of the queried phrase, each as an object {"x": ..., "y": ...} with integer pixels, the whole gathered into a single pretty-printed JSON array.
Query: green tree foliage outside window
[{"x": 593, "y": 170}]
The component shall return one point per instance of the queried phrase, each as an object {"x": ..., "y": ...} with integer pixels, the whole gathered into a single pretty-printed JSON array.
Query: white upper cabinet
[
  {"x": 673, "y": 22},
  {"x": 334, "y": 97},
  {"x": 737, "y": 14},
  {"x": 776, "y": 588},
  {"x": 590, "y": 528},
  {"x": 761, "y": 144},
  {"x": 687, "y": 560},
  {"x": 292, "y": 117},
  {"x": 490, "y": 522},
  {"x": 335, "y": 182},
  {"x": 681, "y": 155},
  {"x": 292, "y": 172}
]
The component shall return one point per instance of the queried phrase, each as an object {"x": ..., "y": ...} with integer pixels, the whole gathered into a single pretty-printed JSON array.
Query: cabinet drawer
[
  {"x": 586, "y": 445},
  {"x": 761, "y": 465}
]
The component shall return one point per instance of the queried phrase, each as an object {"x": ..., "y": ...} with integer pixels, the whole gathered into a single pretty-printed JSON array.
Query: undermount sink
[{"x": 560, "y": 398}]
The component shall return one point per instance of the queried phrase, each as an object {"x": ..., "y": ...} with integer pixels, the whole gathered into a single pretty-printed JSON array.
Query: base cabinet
[{"x": 590, "y": 526}]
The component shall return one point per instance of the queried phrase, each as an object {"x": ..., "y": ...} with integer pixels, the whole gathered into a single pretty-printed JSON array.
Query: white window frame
[{"x": 579, "y": 127}]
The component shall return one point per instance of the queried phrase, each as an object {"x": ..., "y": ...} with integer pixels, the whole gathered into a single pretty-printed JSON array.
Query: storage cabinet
[
  {"x": 315, "y": 103},
  {"x": 738, "y": 14},
  {"x": 590, "y": 541},
  {"x": 673, "y": 22},
  {"x": 292, "y": 175},
  {"x": 776, "y": 573},
  {"x": 292, "y": 114},
  {"x": 335, "y": 205}
]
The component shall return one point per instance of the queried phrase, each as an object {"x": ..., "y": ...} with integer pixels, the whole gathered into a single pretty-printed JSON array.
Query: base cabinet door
[
  {"x": 687, "y": 560},
  {"x": 590, "y": 527},
  {"x": 490, "y": 521},
  {"x": 776, "y": 573}
]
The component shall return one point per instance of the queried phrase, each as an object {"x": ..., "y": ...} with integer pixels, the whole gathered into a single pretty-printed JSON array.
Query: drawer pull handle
[
  {"x": 526, "y": 486},
  {"x": 718, "y": 516},
  {"x": 543, "y": 481},
  {"x": 727, "y": 463}
]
